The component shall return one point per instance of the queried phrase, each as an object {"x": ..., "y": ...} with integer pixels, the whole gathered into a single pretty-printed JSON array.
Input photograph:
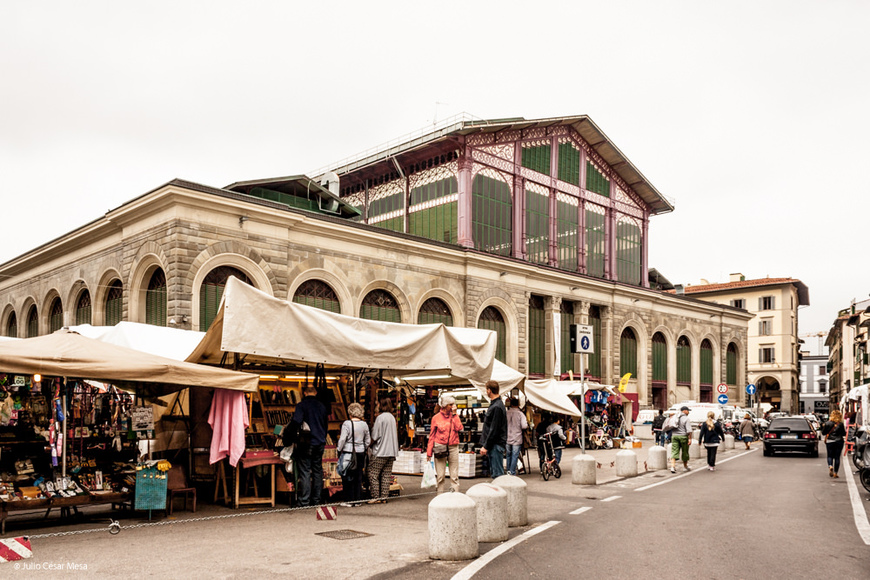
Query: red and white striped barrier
[
  {"x": 325, "y": 513},
  {"x": 15, "y": 549}
]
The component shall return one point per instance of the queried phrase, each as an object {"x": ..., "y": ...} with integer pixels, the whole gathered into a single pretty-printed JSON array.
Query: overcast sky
[{"x": 752, "y": 117}]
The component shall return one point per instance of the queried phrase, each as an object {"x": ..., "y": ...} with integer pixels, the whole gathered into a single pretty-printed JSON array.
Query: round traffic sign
[
  {"x": 750, "y": 389},
  {"x": 584, "y": 343},
  {"x": 723, "y": 399},
  {"x": 722, "y": 388}
]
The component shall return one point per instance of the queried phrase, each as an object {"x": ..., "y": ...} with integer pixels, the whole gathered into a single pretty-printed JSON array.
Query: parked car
[{"x": 791, "y": 434}]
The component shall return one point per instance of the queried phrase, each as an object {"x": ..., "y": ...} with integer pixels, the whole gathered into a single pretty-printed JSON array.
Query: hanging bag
[
  {"x": 347, "y": 460},
  {"x": 441, "y": 450}
]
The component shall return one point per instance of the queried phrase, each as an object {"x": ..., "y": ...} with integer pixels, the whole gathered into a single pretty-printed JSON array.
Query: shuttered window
[
  {"x": 491, "y": 319},
  {"x": 628, "y": 353},
  {"x": 731, "y": 365},
  {"x": 12, "y": 326},
  {"x": 659, "y": 358},
  {"x": 767, "y": 303},
  {"x": 536, "y": 335},
  {"x": 155, "y": 299},
  {"x": 595, "y": 180},
  {"x": 212, "y": 290},
  {"x": 83, "y": 308},
  {"x": 537, "y": 158},
  {"x": 435, "y": 311},
  {"x": 569, "y": 163},
  {"x": 566, "y": 357},
  {"x": 114, "y": 303},
  {"x": 537, "y": 226},
  {"x": 628, "y": 253},
  {"x": 492, "y": 215},
  {"x": 593, "y": 359},
  {"x": 32, "y": 323},
  {"x": 706, "y": 363},
  {"x": 567, "y": 232},
  {"x": 318, "y": 294},
  {"x": 684, "y": 362},
  {"x": 596, "y": 253},
  {"x": 55, "y": 315},
  {"x": 380, "y": 305},
  {"x": 433, "y": 212}
]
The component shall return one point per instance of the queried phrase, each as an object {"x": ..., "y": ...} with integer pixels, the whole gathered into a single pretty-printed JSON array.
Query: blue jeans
[
  {"x": 496, "y": 461},
  {"x": 513, "y": 453},
  {"x": 558, "y": 453},
  {"x": 309, "y": 476}
]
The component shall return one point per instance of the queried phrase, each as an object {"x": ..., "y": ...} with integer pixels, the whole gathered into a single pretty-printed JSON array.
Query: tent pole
[
  {"x": 582, "y": 406},
  {"x": 65, "y": 442}
]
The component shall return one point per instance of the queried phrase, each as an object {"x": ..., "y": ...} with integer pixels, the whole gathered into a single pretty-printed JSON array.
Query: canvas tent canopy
[
  {"x": 174, "y": 343},
  {"x": 69, "y": 354},
  {"x": 269, "y": 332}
]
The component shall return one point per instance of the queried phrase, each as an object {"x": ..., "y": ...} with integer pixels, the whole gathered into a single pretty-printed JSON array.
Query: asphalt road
[{"x": 755, "y": 517}]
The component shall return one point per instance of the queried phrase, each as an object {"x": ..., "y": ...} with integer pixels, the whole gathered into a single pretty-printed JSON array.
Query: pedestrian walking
[
  {"x": 558, "y": 438},
  {"x": 494, "y": 437},
  {"x": 657, "y": 424},
  {"x": 747, "y": 430},
  {"x": 710, "y": 437},
  {"x": 385, "y": 448},
  {"x": 516, "y": 424},
  {"x": 444, "y": 443},
  {"x": 354, "y": 439},
  {"x": 835, "y": 434},
  {"x": 310, "y": 420},
  {"x": 681, "y": 438}
]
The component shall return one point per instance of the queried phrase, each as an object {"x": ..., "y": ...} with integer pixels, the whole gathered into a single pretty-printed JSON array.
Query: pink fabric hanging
[{"x": 228, "y": 419}]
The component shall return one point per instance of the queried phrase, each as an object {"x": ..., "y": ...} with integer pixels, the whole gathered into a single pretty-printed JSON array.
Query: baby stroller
[{"x": 547, "y": 455}]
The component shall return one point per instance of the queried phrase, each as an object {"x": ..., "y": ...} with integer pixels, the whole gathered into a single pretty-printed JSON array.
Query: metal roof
[
  {"x": 584, "y": 126},
  {"x": 296, "y": 185}
]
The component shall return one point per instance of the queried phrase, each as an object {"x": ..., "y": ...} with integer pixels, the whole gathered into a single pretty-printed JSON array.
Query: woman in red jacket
[{"x": 444, "y": 442}]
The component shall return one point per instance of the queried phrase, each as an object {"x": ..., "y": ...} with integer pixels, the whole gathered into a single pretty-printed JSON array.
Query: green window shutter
[
  {"x": 566, "y": 357},
  {"x": 492, "y": 215},
  {"x": 32, "y": 323},
  {"x": 596, "y": 181},
  {"x": 731, "y": 365},
  {"x": 380, "y": 305},
  {"x": 439, "y": 219},
  {"x": 567, "y": 234},
  {"x": 628, "y": 253},
  {"x": 317, "y": 294},
  {"x": 491, "y": 319},
  {"x": 593, "y": 360},
  {"x": 537, "y": 158},
  {"x": 536, "y": 335},
  {"x": 684, "y": 361},
  {"x": 12, "y": 326},
  {"x": 659, "y": 358},
  {"x": 628, "y": 353},
  {"x": 114, "y": 304},
  {"x": 569, "y": 163},
  {"x": 596, "y": 252},
  {"x": 706, "y": 363},
  {"x": 435, "y": 311},
  {"x": 55, "y": 318},
  {"x": 537, "y": 227}
]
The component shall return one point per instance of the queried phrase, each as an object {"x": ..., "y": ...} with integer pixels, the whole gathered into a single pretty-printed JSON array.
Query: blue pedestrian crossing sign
[
  {"x": 582, "y": 338},
  {"x": 750, "y": 389},
  {"x": 723, "y": 399}
]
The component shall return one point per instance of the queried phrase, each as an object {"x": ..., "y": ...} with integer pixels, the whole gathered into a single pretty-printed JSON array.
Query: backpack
[{"x": 671, "y": 423}]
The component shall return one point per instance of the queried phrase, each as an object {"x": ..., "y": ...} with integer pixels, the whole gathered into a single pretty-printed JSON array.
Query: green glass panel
[
  {"x": 684, "y": 361},
  {"x": 537, "y": 227},
  {"x": 628, "y": 353},
  {"x": 436, "y": 223},
  {"x": 492, "y": 215},
  {"x": 566, "y": 357},
  {"x": 569, "y": 163},
  {"x": 536, "y": 334},
  {"x": 596, "y": 253},
  {"x": 396, "y": 224},
  {"x": 537, "y": 158},
  {"x": 706, "y": 363},
  {"x": 567, "y": 234},
  {"x": 628, "y": 253},
  {"x": 595, "y": 180},
  {"x": 491, "y": 319},
  {"x": 659, "y": 358}
]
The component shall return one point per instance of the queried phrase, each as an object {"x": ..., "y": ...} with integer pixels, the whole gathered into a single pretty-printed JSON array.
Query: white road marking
[
  {"x": 579, "y": 511},
  {"x": 478, "y": 564},
  {"x": 611, "y": 498},
  {"x": 858, "y": 512},
  {"x": 695, "y": 470}
]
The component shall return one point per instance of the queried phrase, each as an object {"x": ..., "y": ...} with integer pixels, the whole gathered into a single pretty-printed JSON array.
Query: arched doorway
[{"x": 770, "y": 391}]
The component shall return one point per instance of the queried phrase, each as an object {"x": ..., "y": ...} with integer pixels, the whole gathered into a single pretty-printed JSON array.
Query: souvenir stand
[
  {"x": 73, "y": 442},
  {"x": 283, "y": 341}
]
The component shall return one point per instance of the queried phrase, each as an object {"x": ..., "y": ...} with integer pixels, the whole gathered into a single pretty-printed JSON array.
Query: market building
[
  {"x": 519, "y": 226},
  {"x": 848, "y": 347},
  {"x": 773, "y": 343}
]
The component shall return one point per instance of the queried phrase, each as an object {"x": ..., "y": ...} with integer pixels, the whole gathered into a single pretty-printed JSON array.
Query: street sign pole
[{"x": 582, "y": 405}]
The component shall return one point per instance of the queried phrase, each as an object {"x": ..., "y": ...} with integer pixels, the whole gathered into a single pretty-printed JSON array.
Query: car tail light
[
  {"x": 808, "y": 436},
  {"x": 770, "y": 435}
]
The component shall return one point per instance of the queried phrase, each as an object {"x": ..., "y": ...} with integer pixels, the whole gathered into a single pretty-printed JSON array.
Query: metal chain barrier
[{"x": 115, "y": 526}]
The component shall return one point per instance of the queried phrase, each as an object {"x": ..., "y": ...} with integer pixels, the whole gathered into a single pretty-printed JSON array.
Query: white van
[{"x": 698, "y": 411}]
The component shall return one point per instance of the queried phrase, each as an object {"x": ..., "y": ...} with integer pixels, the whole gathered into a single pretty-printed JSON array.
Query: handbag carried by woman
[{"x": 347, "y": 459}]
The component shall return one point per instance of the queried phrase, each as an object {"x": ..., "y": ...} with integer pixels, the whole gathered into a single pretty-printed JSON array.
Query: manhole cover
[{"x": 343, "y": 534}]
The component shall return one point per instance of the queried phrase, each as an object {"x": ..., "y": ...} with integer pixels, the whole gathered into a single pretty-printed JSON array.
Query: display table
[
  {"x": 62, "y": 503},
  {"x": 247, "y": 463}
]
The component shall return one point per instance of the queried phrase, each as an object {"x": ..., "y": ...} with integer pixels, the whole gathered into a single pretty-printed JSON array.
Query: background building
[
  {"x": 521, "y": 227},
  {"x": 848, "y": 359},
  {"x": 774, "y": 357},
  {"x": 814, "y": 382}
]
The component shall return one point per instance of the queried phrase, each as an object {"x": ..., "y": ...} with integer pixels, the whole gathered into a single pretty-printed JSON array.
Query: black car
[{"x": 791, "y": 434}]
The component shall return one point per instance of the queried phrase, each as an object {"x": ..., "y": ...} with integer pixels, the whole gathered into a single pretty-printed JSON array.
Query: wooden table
[{"x": 59, "y": 502}]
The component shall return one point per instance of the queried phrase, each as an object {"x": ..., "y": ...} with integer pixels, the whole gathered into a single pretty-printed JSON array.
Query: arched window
[
  {"x": 12, "y": 325},
  {"x": 83, "y": 308},
  {"x": 32, "y": 322},
  {"x": 593, "y": 359},
  {"x": 491, "y": 319},
  {"x": 380, "y": 305},
  {"x": 114, "y": 303},
  {"x": 628, "y": 353},
  {"x": 212, "y": 289},
  {"x": 537, "y": 332},
  {"x": 706, "y": 371},
  {"x": 435, "y": 311},
  {"x": 659, "y": 371},
  {"x": 684, "y": 362},
  {"x": 566, "y": 357},
  {"x": 731, "y": 364},
  {"x": 155, "y": 299},
  {"x": 55, "y": 315},
  {"x": 318, "y": 294}
]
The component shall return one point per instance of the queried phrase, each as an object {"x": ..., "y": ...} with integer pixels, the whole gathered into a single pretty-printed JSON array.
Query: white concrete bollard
[
  {"x": 695, "y": 450},
  {"x": 696, "y": 435},
  {"x": 722, "y": 445},
  {"x": 729, "y": 441},
  {"x": 583, "y": 470},
  {"x": 626, "y": 463},
  {"x": 517, "y": 500},
  {"x": 657, "y": 458},
  {"x": 492, "y": 512},
  {"x": 453, "y": 527}
]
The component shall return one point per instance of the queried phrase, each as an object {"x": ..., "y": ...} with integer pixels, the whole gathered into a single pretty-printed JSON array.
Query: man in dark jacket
[
  {"x": 314, "y": 414},
  {"x": 494, "y": 436},
  {"x": 657, "y": 424}
]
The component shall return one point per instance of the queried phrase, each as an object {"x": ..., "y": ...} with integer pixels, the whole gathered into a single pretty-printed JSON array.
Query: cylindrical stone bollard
[
  {"x": 722, "y": 445},
  {"x": 657, "y": 458},
  {"x": 696, "y": 435},
  {"x": 626, "y": 463},
  {"x": 492, "y": 516},
  {"x": 583, "y": 470},
  {"x": 729, "y": 441},
  {"x": 695, "y": 450},
  {"x": 453, "y": 527},
  {"x": 517, "y": 501}
]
